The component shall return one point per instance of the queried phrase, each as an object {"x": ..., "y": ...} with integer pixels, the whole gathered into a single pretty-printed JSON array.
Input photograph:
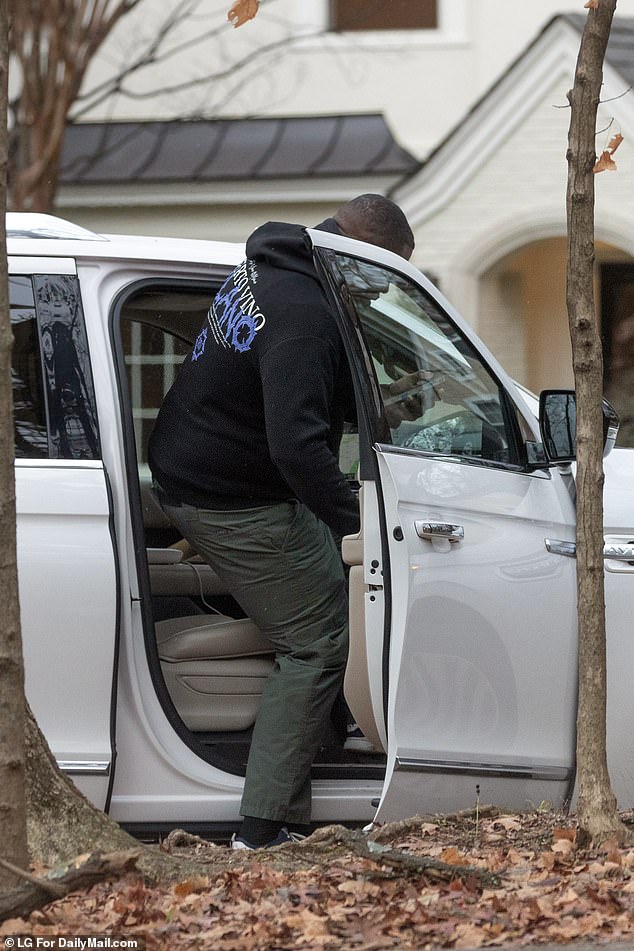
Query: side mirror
[{"x": 558, "y": 425}]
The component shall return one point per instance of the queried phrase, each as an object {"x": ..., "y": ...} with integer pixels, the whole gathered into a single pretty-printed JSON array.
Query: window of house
[{"x": 349, "y": 15}]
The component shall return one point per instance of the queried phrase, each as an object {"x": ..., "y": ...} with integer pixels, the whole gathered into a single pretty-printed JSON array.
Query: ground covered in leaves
[{"x": 473, "y": 880}]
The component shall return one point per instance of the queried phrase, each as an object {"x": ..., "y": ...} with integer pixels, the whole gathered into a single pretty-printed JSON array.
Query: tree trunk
[
  {"x": 597, "y": 812},
  {"x": 12, "y": 809},
  {"x": 61, "y": 822},
  {"x": 37, "y": 802}
]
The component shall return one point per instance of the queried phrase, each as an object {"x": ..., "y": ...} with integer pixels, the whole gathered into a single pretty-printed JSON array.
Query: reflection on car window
[
  {"x": 436, "y": 393},
  {"x": 53, "y": 395},
  {"x": 70, "y": 398},
  {"x": 560, "y": 424},
  {"x": 29, "y": 411}
]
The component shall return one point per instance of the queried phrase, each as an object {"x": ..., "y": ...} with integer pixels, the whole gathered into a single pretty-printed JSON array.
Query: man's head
[{"x": 377, "y": 220}]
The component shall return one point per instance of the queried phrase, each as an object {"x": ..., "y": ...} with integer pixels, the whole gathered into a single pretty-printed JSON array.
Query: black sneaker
[{"x": 282, "y": 838}]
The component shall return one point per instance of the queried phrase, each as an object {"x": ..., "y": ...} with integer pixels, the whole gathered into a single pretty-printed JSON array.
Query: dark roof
[
  {"x": 226, "y": 149},
  {"x": 620, "y": 51}
]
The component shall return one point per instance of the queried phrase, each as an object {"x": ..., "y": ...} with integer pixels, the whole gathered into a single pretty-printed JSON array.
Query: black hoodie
[{"x": 255, "y": 414}]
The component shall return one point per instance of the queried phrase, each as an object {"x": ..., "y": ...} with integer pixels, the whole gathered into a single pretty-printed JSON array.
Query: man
[{"x": 244, "y": 456}]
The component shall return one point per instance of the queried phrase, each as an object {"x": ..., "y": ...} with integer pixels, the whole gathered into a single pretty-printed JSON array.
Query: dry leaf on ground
[{"x": 315, "y": 895}]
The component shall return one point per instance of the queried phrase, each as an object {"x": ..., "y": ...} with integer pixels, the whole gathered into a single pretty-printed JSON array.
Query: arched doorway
[
  {"x": 524, "y": 321},
  {"x": 617, "y": 328}
]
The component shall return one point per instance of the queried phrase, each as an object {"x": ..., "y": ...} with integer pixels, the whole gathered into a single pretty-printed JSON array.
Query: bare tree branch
[
  {"x": 53, "y": 41},
  {"x": 261, "y": 52},
  {"x": 151, "y": 56},
  {"x": 53, "y": 44}
]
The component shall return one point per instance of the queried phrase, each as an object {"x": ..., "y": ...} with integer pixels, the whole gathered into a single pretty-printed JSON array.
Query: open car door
[{"x": 473, "y": 683}]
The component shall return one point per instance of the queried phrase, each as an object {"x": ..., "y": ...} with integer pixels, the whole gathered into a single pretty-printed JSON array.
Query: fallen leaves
[
  {"x": 452, "y": 856},
  {"x": 317, "y": 895}
]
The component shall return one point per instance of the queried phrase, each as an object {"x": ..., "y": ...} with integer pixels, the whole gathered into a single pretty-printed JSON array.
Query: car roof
[{"x": 46, "y": 235}]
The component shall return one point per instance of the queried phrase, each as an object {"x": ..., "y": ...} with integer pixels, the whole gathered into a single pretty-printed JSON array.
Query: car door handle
[
  {"x": 619, "y": 552},
  {"x": 450, "y": 533},
  {"x": 611, "y": 550}
]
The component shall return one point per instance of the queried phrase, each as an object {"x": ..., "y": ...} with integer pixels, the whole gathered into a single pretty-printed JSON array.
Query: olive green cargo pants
[{"x": 281, "y": 565}]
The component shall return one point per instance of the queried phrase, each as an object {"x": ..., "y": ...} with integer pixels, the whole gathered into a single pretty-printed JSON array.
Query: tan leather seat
[{"x": 214, "y": 669}]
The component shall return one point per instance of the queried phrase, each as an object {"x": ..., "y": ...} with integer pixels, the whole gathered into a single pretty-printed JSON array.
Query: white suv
[{"x": 140, "y": 670}]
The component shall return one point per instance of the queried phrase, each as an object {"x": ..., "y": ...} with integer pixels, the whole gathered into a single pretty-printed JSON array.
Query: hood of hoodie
[{"x": 286, "y": 246}]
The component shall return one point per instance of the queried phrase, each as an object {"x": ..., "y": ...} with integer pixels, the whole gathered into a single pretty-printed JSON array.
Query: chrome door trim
[
  {"x": 557, "y": 547},
  {"x": 84, "y": 767},
  {"x": 617, "y": 552},
  {"x": 510, "y": 771},
  {"x": 612, "y": 551}
]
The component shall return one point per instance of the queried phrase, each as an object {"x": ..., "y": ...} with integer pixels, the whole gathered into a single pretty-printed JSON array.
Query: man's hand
[{"x": 412, "y": 395}]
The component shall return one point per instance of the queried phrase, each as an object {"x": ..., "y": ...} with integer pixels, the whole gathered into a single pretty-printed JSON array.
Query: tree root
[
  {"x": 402, "y": 862},
  {"x": 34, "y": 893},
  {"x": 149, "y": 863},
  {"x": 404, "y": 827},
  {"x": 179, "y": 839}
]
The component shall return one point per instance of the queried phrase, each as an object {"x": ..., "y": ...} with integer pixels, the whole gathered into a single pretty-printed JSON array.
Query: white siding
[
  {"x": 423, "y": 81},
  {"x": 498, "y": 247}
]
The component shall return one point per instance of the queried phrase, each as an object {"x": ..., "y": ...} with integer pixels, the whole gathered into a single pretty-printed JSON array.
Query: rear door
[
  {"x": 66, "y": 560},
  {"x": 479, "y": 636}
]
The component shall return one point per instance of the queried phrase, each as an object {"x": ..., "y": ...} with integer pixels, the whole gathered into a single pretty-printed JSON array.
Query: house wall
[
  {"x": 498, "y": 245},
  {"x": 209, "y": 219},
  {"x": 423, "y": 81},
  {"x": 523, "y": 314},
  {"x": 492, "y": 231}
]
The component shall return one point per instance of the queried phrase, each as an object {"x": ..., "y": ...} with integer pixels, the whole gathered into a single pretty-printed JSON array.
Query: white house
[
  {"x": 460, "y": 115},
  {"x": 406, "y": 68},
  {"x": 488, "y": 211}
]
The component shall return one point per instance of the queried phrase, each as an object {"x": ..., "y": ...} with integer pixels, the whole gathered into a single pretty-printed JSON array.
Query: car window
[
  {"x": 435, "y": 392},
  {"x": 29, "y": 411},
  {"x": 53, "y": 394},
  {"x": 158, "y": 328}
]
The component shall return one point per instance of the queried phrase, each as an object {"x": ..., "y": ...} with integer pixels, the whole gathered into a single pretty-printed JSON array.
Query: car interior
[{"x": 211, "y": 662}]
